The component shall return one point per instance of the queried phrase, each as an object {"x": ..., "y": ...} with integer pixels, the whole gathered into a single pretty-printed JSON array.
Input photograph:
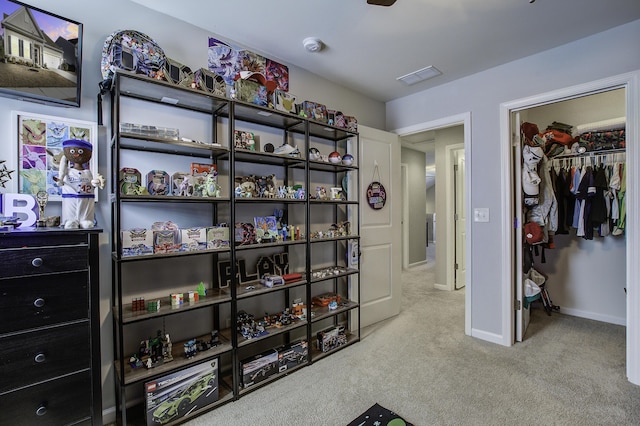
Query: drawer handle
[
  {"x": 40, "y": 358},
  {"x": 37, "y": 262},
  {"x": 39, "y": 302},
  {"x": 41, "y": 411}
]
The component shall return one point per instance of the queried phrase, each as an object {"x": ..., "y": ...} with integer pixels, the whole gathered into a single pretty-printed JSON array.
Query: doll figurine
[{"x": 78, "y": 183}]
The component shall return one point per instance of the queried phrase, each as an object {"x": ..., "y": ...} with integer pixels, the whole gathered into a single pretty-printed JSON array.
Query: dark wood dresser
[{"x": 50, "y": 327}]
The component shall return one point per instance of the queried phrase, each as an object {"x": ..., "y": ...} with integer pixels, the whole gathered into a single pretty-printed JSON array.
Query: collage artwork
[{"x": 40, "y": 151}]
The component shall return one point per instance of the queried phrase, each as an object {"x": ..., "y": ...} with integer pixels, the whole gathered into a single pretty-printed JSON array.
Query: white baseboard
[
  {"x": 489, "y": 337},
  {"x": 413, "y": 265},
  {"x": 441, "y": 287},
  {"x": 593, "y": 316},
  {"x": 109, "y": 415}
]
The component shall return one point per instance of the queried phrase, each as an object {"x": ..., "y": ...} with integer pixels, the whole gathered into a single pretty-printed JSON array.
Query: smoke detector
[{"x": 312, "y": 44}]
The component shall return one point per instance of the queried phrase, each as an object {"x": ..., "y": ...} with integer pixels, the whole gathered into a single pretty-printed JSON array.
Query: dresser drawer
[
  {"x": 43, "y": 355},
  {"x": 18, "y": 262},
  {"x": 57, "y": 402},
  {"x": 31, "y": 302}
]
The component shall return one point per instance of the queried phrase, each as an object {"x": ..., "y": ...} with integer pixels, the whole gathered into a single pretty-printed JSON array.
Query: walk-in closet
[{"x": 583, "y": 254}]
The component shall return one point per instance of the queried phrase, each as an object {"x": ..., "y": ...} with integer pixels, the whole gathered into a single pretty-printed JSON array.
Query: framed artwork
[
  {"x": 42, "y": 55},
  {"x": 39, "y": 145}
]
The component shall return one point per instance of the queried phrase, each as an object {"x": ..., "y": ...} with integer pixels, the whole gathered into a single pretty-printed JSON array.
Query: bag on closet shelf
[{"x": 603, "y": 140}]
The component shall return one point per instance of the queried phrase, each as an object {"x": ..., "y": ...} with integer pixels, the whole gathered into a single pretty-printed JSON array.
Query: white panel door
[
  {"x": 380, "y": 230},
  {"x": 523, "y": 315}
]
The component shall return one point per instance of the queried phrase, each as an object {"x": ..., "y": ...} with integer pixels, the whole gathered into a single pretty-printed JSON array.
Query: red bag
[{"x": 533, "y": 233}]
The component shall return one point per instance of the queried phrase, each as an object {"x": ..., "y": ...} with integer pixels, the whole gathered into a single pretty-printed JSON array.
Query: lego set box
[
  {"x": 292, "y": 355},
  {"x": 331, "y": 338},
  {"x": 175, "y": 395},
  {"x": 259, "y": 367}
]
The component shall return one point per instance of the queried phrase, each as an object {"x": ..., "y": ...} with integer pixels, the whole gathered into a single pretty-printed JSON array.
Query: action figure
[{"x": 77, "y": 184}]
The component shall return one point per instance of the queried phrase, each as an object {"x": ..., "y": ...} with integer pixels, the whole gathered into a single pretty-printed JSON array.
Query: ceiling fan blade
[{"x": 381, "y": 2}]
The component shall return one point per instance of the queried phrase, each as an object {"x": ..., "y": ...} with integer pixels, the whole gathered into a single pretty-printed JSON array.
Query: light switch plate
[{"x": 481, "y": 215}]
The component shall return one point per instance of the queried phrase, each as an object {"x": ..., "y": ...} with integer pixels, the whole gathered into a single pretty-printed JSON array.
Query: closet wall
[{"x": 586, "y": 278}]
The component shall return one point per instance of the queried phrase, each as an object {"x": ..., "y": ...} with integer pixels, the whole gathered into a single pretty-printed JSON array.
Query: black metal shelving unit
[{"x": 223, "y": 302}]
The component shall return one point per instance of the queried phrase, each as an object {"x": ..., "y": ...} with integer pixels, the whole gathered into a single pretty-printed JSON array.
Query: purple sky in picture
[{"x": 52, "y": 26}]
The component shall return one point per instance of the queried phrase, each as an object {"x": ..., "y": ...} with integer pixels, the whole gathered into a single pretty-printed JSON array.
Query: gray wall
[
  {"x": 182, "y": 42},
  {"x": 415, "y": 161},
  {"x": 481, "y": 94}
]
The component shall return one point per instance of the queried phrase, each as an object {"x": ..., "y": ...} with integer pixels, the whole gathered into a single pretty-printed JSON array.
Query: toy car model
[
  {"x": 269, "y": 280},
  {"x": 178, "y": 404}
]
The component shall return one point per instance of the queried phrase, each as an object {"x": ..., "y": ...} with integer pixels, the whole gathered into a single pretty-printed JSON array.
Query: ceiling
[{"x": 367, "y": 47}]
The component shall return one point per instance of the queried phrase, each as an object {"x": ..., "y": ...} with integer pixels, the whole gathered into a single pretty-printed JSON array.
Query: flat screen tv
[{"x": 40, "y": 55}]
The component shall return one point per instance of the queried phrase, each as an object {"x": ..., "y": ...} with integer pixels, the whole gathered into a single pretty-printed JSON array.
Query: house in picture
[{"x": 23, "y": 40}]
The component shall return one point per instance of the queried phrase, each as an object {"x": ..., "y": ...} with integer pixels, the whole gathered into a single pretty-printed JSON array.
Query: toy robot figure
[{"x": 77, "y": 184}]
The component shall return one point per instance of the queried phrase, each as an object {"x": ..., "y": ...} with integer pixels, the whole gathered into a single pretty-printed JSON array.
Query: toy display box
[
  {"x": 336, "y": 118},
  {"x": 202, "y": 169},
  {"x": 292, "y": 355},
  {"x": 170, "y": 397},
  {"x": 217, "y": 237},
  {"x": 158, "y": 182},
  {"x": 166, "y": 241},
  {"x": 193, "y": 239},
  {"x": 130, "y": 181},
  {"x": 210, "y": 82},
  {"x": 352, "y": 123},
  {"x": 259, "y": 367},
  {"x": 251, "y": 91},
  {"x": 284, "y": 101},
  {"x": 314, "y": 110},
  {"x": 137, "y": 242},
  {"x": 331, "y": 338},
  {"x": 245, "y": 140}
]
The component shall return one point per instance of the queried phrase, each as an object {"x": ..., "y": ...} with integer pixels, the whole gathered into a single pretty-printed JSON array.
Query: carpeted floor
[{"x": 421, "y": 365}]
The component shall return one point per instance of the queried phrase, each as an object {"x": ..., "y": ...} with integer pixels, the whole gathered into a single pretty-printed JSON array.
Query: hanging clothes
[
  {"x": 577, "y": 178},
  {"x": 563, "y": 196},
  {"x": 619, "y": 229},
  {"x": 590, "y": 199},
  {"x": 598, "y": 209},
  {"x": 614, "y": 187},
  {"x": 545, "y": 213},
  {"x": 586, "y": 192}
]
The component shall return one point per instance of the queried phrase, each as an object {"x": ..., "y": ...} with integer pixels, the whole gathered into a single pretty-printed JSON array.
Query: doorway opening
[
  {"x": 451, "y": 146},
  {"x": 535, "y": 108}
]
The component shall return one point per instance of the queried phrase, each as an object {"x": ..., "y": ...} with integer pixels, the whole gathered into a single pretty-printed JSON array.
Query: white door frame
[
  {"x": 631, "y": 83},
  {"x": 455, "y": 120},
  {"x": 404, "y": 170},
  {"x": 457, "y": 266}
]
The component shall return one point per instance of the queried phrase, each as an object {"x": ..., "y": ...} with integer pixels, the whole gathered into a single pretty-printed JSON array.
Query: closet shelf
[{"x": 590, "y": 153}]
